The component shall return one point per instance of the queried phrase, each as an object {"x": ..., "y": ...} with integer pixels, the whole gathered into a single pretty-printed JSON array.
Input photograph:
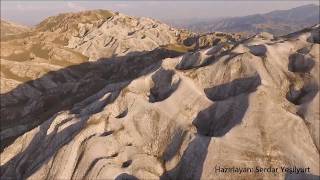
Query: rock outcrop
[
  {"x": 122, "y": 34},
  {"x": 158, "y": 113},
  {"x": 36, "y": 60}
]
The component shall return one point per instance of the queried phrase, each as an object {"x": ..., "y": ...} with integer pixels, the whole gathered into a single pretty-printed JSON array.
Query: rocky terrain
[
  {"x": 74, "y": 38},
  {"x": 102, "y": 95},
  {"x": 278, "y": 22},
  {"x": 9, "y": 28}
]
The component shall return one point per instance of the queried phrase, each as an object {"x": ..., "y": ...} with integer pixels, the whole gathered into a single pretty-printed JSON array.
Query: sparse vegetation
[{"x": 178, "y": 47}]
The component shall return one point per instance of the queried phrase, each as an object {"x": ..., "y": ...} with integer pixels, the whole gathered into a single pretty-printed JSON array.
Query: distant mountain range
[{"x": 278, "y": 22}]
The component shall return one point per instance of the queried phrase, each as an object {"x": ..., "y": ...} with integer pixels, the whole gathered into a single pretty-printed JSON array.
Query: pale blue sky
[{"x": 32, "y": 12}]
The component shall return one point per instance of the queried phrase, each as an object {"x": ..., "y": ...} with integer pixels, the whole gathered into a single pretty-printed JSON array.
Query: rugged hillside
[
  {"x": 9, "y": 28},
  {"x": 74, "y": 38},
  {"x": 276, "y": 22},
  {"x": 151, "y": 112},
  {"x": 49, "y": 64},
  {"x": 121, "y": 35}
]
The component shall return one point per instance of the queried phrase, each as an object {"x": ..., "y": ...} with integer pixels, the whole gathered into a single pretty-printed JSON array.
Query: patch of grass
[
  {"x": 178, "y": 48},
  {"x": 78, "y": 58},
  {"x": 106, "y": 14},
  {"x": 69, "y": 21},
  {"x": 39, "y": 51},
  {"x": 16, "y": 36},
  {"x": 19, "y": 57},
  {"x": 61, "y": 41}
]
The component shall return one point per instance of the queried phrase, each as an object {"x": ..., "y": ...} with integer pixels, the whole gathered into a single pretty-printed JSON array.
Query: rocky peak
[
  {"x": 69, "y": 22},
  {"x": 122, "y": 34}
]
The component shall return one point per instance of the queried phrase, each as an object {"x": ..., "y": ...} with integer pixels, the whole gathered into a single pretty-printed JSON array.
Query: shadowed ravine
[{"x": 215, "y": 121}]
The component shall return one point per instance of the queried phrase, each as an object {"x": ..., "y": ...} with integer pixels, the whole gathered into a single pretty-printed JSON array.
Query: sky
[{"x": 32, "y": 12}]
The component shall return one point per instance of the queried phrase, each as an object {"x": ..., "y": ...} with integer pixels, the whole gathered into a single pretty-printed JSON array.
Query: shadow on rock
[
  {"x": 221, "y": 117},
  {"x": 234, "y": 88},
  {"x": 231, "y": 103},
  {"x": 300, "y": 63},
  {"x": 165, "y": 83},
  {"x": 215, "y": 121},
  {"x": 125, "y": 176},
  {"x": 32, "y": 103},
  {"x": 192, "y": 160},
  {"x": 301, "y": 176}
]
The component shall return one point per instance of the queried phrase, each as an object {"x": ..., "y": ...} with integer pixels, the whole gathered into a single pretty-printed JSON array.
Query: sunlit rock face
[
  {"x": 158, "y": 112},
  {"x": 41, "y": 71}
]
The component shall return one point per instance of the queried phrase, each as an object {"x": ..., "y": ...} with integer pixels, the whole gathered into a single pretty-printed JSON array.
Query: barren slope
[
  {"x": 46, "y": 70},
  {"x": 9, "y": 28},
  {"x": 159, "y": 115},
  {"x": 74, "y": 38}
]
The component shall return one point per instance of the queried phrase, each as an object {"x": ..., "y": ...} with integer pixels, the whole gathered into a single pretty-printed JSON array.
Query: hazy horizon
[{"x": 36, "y": 11}]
